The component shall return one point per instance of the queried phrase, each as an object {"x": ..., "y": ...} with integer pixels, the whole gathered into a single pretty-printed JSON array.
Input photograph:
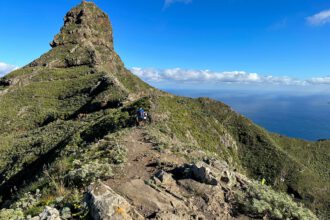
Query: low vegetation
[{"x": 259, "y": 201}]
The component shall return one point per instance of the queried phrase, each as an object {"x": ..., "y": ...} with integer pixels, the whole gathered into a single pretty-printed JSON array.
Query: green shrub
[
  {"x": 259, "y": 201},
  {"x": 74, "y": 206},
  {"x": 113, "y": 152},
  {"x": 85, "y": 173},
  {"x": 27, "y": 200},
  {"x": 34, "y": 211},
  {"x": 118, "y": 154},
  {"x": 11, "y": 214}
]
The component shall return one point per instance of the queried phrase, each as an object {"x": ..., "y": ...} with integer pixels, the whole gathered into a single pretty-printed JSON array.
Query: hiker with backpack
[{"x": 141, "y": 117}]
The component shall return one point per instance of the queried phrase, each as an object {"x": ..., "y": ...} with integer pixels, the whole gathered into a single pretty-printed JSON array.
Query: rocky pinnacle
[
  {"x": 85, "y": 23},
  {"x": 85, "y": 39}
]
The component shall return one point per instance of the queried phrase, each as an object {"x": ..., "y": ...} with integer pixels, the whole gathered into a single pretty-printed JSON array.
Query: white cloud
[
  {"x": 320, "y": 18},
  {"x": 167, "y": 3},
  {"x": 320, "y": 80},
  {"x": 178, "y": 75},
  {"x": 6, "y": 68}
]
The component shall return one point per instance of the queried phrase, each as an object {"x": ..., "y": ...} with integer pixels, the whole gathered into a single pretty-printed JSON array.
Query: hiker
[{"x": 141, "y": 117}]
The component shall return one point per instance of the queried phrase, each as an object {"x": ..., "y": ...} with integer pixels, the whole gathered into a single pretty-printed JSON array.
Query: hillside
[{"x": 67, "y": 120}]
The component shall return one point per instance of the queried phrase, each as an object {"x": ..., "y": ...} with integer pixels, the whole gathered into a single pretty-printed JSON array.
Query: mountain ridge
[{"x": 57, "y": 112}]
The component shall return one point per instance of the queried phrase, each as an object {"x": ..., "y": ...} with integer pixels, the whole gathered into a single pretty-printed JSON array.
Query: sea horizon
[{"x": 300, "y": 115}]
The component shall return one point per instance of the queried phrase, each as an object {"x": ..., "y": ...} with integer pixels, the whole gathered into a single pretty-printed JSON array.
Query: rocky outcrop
[
  {"x": 85, "y": 23},
  {"x": 85, "y": 39},
  {"x": 49, "y": 213},
  {"x": 205, "y": 173},
  {"x": 189, "y": 191},
  {"x": 151, "y": 199},
  {"x": 196, "y": 172},
  {"x": 105, "y": 204}
]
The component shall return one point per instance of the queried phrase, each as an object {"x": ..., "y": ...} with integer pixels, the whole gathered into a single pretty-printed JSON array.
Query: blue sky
[{"x": 278, "y": 42}]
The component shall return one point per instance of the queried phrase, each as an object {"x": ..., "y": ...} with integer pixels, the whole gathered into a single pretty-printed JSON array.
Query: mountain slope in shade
[{"x": 68, "y": 119}]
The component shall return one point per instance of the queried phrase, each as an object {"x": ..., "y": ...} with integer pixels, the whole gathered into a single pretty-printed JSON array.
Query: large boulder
[
  {"x": 211, "y": 173},
  {"x": 49, "y": 213},
  {"x": 105, "y": 204},
  {"x": 226, "y": 176},
  {"x": 199, "y": 172},
  {"x": 203, "y": 174},
  {"x": 165, "y": 178}
]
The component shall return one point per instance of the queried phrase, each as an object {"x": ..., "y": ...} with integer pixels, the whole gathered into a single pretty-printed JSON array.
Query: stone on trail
[{"x": 105, "y": 204}]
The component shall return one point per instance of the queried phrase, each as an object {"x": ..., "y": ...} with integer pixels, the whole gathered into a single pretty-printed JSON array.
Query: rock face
[
  {"x": 85, "y": 39},
  {"x": 85, "y": 22},
  {"x": 197, "y": 192},
  {"x": 105, "y": 204},
  {"x": 187, "y": 192}
]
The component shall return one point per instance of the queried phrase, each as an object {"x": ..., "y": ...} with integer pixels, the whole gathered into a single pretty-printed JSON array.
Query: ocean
[{"x": 295, "y": 115}]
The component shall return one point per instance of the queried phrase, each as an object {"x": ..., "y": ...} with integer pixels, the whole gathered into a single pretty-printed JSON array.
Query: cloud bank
[
  {"x": 6, "y": 68},
  {"x": 320, "y": 80},
  {"x": 167, "y": 3},
  {"x": 178, "y": 75},
  {"x": 320, "y": 18}
]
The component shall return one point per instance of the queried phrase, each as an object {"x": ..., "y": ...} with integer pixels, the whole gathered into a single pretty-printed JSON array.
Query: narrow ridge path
[
  {"x": 140, "y": 154},
  {"x": 184, "y": 199}
]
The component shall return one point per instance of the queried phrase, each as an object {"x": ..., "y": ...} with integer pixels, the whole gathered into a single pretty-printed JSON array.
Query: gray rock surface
[
  {"x": 149, "y": 197},
  {"x": 203, "y": 174},
  {"x": 200, "y": 172},
  {"x": 105, "y": 204},
  {"x": 165, "y": 178},
  {"x": 49, "y": 213}
]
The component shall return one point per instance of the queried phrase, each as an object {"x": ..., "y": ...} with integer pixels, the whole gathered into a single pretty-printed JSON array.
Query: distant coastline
[{"x": 304, "y": 117}]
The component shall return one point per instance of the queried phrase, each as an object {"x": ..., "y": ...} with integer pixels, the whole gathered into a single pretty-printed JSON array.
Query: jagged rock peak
[
  {"x": 85, "y": 39},
  {"x": 85, "y": 24}
]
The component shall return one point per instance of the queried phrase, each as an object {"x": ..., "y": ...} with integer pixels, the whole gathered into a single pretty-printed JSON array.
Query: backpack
[{"x": 141, "y": 114}]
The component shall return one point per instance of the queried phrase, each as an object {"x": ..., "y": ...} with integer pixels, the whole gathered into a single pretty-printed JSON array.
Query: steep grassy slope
[
  {"x": 295, "y": 166},
  {"x": 55, "y": 112},
  {"x": 40, "y": 103}
]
